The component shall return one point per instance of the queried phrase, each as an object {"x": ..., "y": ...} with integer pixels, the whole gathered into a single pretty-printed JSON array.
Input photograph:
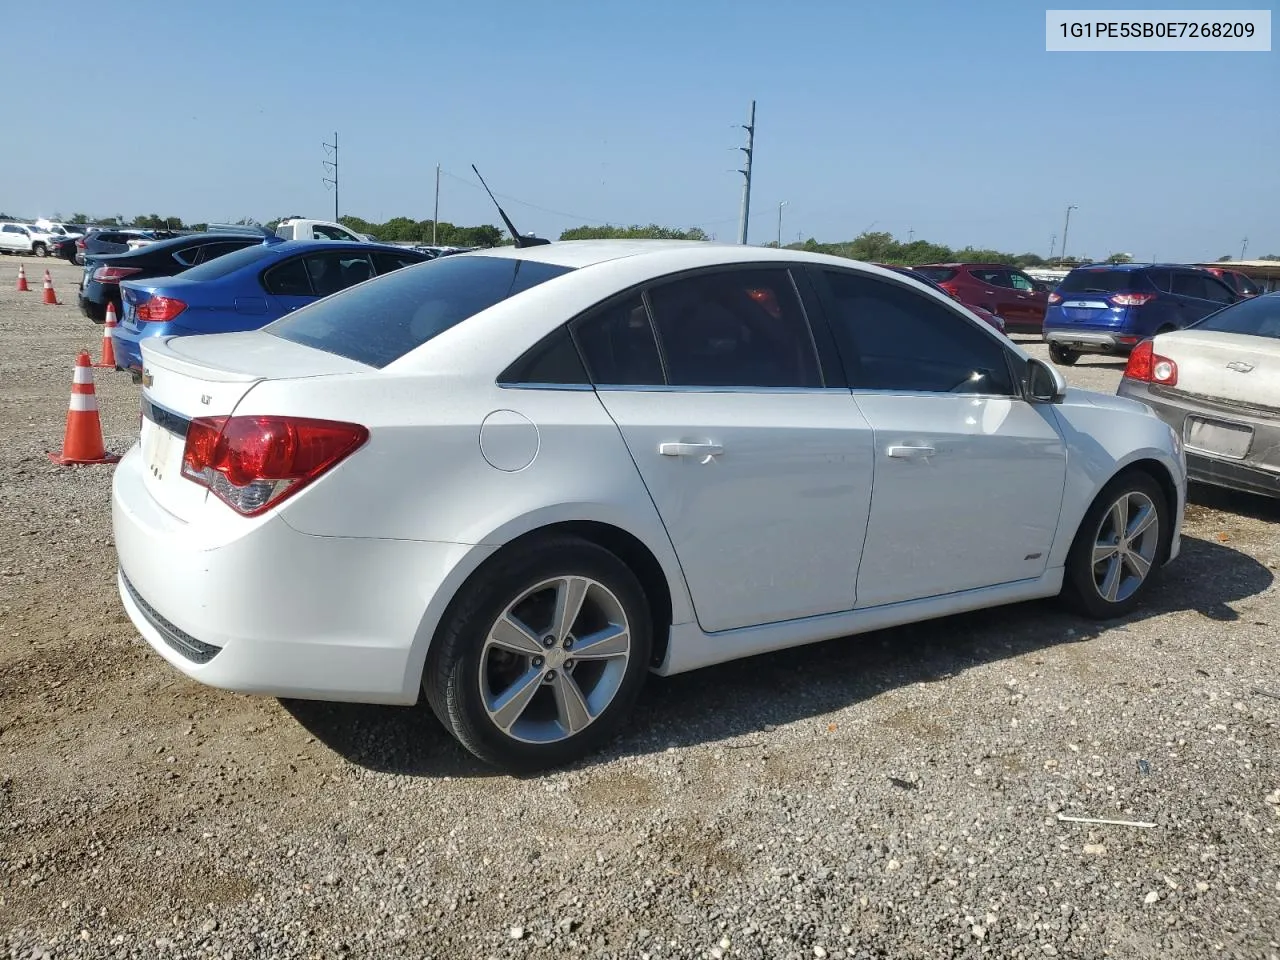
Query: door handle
[
  {"x": 911, "y": 452},
  {"x": 706, "y": 450}
]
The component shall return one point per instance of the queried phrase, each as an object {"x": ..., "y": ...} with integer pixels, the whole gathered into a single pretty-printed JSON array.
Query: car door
[
  {"x": 9, "y": 239},
  {"x": 968, "y": 475},
  {"x": 760, "y": 470},
  {"x": 1029, "y": 302}
]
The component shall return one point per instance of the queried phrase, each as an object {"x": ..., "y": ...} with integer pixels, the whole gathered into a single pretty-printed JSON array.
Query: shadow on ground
[{"x": 739, "y": 698}]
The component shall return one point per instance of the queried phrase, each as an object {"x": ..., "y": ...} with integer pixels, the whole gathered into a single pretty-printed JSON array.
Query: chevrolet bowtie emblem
[{"x": 1239, "y": 366}]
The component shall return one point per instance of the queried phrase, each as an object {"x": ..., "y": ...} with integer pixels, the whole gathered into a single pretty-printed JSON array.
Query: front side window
[
  {"x": 893, "y": 338},
  {"x": 993, "y": 276},
  {"x": 735, "y": 328},
  {"x": 385, "y": 262},
  {"x": 1020, "y": 281}
]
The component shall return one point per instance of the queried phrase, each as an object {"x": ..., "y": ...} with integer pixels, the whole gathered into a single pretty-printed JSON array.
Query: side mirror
[{"x": 1044, "y": 384}]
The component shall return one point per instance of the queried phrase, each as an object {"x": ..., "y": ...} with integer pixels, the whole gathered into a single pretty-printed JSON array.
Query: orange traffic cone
[
  {"x": 49, "y": 295},
  {"x": 82, "y": 443},
  {"x": 22, "y": 279},
  {"x": 108, "y": 348}
]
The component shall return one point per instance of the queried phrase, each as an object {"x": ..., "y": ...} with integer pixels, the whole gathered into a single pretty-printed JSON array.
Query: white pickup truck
[
  {"x": 24, "y": 238},
  {"x": 297, "y": 229}
]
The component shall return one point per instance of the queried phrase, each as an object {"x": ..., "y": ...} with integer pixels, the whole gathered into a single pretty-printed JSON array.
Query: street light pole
[
  {"x": 435, "y": 217},
  {"x": 782, "y": 204},
  {"x": 1066, "y": 227},
  {"x": 1053, "y": 243}
]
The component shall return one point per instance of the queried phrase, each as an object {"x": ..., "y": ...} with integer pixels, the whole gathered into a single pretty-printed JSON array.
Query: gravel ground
[{"x": 892, "y": 796}]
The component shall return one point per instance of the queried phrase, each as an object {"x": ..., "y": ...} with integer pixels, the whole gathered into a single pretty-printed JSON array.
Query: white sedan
[
  {"x": 520, "y": 479},
  {"x": 1217, "y": 383}
]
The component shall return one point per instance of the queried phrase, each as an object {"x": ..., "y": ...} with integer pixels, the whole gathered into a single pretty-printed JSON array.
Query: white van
[{"x": 316, "y": 230}]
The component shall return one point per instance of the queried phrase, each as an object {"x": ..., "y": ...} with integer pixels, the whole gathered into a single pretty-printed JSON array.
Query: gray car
[{"x": 1217, "y": 383}]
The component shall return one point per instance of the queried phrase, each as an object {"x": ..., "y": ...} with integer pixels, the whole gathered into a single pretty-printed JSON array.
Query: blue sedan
[{"x": 246, "y": 289}]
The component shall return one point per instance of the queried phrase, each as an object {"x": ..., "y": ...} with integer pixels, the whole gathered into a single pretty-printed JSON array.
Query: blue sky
[{"x": 950, "y": 121}]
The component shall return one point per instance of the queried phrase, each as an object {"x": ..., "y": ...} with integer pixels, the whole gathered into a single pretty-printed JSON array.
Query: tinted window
[
  {"x": 618, "y": 345},
  {"x": 289, "y": 279},
  {"x": 1161, "y": 279},
  {"x": 1102, "y": 281},
  {"x": 994, "y": 276},
  {"x": 936, "y": 274},
  {"x": 1257, "y": 317},
  {"x": 736, "y": 328},
  {"x": 552, "y": 360},
  {"x": 187, "y": 256},
  {"x": 337, "y": 270},
  {"x": 1201, "y": 286},
  {"x": 229, "y": 263},
  {"x": 380, "y": 322},
  {"x": 212, "y": 251},
  {"x": 386, "y": 262},
  {"x": 892, "y": 338},
  {"x": 1244, "y": 285}
]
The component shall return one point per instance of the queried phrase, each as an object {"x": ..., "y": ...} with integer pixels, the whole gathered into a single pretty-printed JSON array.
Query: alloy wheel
[
  {"x": 555, "y": 659},
  {"x": 1124, "y": 548}
]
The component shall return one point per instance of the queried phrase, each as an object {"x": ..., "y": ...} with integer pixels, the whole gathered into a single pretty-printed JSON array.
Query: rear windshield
[
  {"x": 1259, "y": 317},
  {"x": 377, "y": 322},
  {"x": 229, "y": 262},
  {"x": 1102, "y": 281},
  {"x": 936, "y": 274}
]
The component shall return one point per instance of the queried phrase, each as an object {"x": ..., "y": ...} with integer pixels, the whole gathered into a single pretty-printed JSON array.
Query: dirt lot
[{"x": 896, "y": 795}]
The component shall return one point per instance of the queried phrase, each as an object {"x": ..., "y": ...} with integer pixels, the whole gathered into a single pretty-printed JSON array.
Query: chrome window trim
[
  {"x": 648, "y": 388},
  {"x": 545, "y": 386}
]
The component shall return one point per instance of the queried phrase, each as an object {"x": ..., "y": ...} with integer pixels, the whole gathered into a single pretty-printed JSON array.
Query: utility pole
[
  {"x": 1053, "y": 242},
  {"x": 746, "y": 173},
  {"x": 911, "y": 234},
  {"x": 781, "y": 204},
  {"x": 1244, "y": 245},
  {"x": 435, "y": 217},
  {"x": 1065, "y": 228},
  {"x": 332, "y": 166}
]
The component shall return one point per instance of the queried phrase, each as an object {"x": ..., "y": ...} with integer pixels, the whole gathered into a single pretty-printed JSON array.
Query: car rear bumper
[
  {"x": 1258, "y": 471},
  {"x": 254, "y": 606},
  {"x": 95, "y": 310},
  {"x": 1091, "y": 341}
]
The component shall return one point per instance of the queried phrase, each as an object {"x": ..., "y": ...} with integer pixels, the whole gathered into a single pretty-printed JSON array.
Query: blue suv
[{"x": 1111, "y": 308}]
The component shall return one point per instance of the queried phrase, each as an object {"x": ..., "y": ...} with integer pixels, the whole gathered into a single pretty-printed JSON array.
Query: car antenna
[{"x": 520, "y": 241}]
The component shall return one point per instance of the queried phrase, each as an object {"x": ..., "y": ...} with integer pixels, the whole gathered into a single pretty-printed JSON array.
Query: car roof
[{"x": 295, "y": 246}]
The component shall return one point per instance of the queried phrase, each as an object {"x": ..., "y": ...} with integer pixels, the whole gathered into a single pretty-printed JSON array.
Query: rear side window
[
  {"x": 1103, "y": 281},
  {"x": 618, "y": 344},
  {"x": 377, "y": 323},
  {"x": 212, "y": 251},
  {"x": 385, "y": 262},
  {"x": 1257, "y": 317},
  {"x": 229, "y": 263},
  {"x": 1244, "y": 285},
  {"x": 735, "y": 328},
  {"x": 289, "y": 279},
  {"x": 936, "y": 274},
  {"x": 1201, "y": 286}
]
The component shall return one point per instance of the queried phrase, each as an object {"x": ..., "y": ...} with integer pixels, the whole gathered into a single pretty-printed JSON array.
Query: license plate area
[
  {"x": 1222, "y": 438},
  {"x": 158, "y": 450}
]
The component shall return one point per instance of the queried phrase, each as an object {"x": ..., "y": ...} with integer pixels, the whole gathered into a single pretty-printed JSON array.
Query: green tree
[
  {"x": 1119, "y": 258},
  {"x": 79, "y": 218},
  {"x": 634, "y": 232},
  {"x": 1224, "y": 259}
]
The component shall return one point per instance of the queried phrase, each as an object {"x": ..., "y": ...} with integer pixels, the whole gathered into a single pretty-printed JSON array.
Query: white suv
[{"x": 24, "y": 238}]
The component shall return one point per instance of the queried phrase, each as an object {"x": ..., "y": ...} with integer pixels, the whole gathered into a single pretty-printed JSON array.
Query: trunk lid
[
  {"x": 1233, "y": 367},
  {"x": 188, "y": 377}
]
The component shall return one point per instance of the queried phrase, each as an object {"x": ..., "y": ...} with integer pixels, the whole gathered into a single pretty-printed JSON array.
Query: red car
[
  {"x": 1004, "y": 290},
  {"x": 986, "y": 316},
  {"x": 1236, "y": 280}
]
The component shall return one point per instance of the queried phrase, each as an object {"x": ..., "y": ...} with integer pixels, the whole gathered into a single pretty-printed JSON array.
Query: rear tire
[
  {"x": 1062, "y": 356},
  {"x": 40, "y": 251},
  {"x": 525, "y": 687},
  {"x": 1107, "y": 570}
]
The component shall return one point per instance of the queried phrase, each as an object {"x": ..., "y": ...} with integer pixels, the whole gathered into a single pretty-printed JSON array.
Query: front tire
[
  {"x": 1062, "y": 356},
  {"x": 541, "y": 657},
  {"x": 1118, "y": 548}
]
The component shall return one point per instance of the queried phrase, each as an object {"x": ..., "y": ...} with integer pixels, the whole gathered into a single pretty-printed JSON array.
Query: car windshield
[
  {"x": 1101, "y": 281},
  {"x": 228, "y": 263},
  {"x": 376, "y": 323},
  {"x": 1257, "y": 317}
]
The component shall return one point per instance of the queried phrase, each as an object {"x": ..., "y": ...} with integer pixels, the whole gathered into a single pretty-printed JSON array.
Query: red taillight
[
  {"x": 1149, "y": 367},
  {"x": 80, "y": 243},
  {"x": 114, "y": 274},
  {"x": 1132, "y": 299},
  {"x": 1055, "y": 298},
  {"x": 160, "y": 309},
  {"x": 252, "y": 463}
]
